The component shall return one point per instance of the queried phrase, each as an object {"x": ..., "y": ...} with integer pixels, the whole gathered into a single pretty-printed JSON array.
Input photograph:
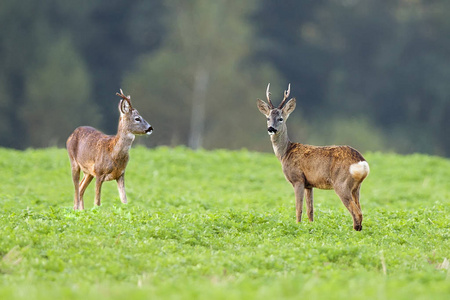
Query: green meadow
[{"x": 221, "y": 225}]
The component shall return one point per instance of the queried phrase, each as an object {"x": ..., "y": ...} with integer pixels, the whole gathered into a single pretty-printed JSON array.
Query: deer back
[{"x": 320, "y": 167}]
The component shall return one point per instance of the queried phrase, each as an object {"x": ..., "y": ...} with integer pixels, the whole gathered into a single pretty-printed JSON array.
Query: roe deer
[
  {"x": 341, "y": 168},
  {"x": 102, "y": 156}
]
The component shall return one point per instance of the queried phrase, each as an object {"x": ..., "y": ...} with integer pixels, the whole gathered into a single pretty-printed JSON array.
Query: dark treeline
[{"x": 370, "y": 73}]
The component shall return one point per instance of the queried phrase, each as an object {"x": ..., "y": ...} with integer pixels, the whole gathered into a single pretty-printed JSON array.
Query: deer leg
[
  {"x": 358, "y": 217},
  {"x": 350, "y": 204},
  {"x": 355, "y": 196},
  {"x": 309, "y": 204},
  {"x": 299, "y": 190},
  {"x": 121, "y": 186},
  {"x": 83, "y": 185},
  {"x": 76, "y": 183},
  {"x": 98, "y": 190}
]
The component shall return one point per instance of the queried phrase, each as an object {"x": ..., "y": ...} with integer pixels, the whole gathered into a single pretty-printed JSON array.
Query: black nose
[
  {"x": 271, "y": 129},
  {"x": 150, "y": 129}
]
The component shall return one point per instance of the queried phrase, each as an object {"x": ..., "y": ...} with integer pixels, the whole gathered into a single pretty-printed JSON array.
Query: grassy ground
[{"x": 221, "y": 225}]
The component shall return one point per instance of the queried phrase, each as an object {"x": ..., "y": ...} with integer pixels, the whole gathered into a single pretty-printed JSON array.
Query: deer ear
[
  {"x": 289, "y": 107},
  {"x": 124, "y": 107},
  {"x": 263, "y": 107}
]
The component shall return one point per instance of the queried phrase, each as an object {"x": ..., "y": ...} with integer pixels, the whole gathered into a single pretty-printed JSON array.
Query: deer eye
[
  {"x": 280, "y": 119},
  {"x": 137, "y": 119}
]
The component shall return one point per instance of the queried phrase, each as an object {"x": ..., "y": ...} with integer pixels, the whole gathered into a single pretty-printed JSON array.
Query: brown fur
[
  {"x": 307, "y": 167},
  {"x": 320, "y": 166},
  {"x": 102, "y": 156}
]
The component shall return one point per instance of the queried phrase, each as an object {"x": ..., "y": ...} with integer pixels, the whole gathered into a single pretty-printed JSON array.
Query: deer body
[
  {"x": 88, "y": 147},
  {"x": 102, "y": 156},
  {"x": 341, "y": 168}
]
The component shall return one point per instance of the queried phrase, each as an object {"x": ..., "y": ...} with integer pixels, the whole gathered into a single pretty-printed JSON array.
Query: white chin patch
[
  {"x": 149, "y": 132},
  {"x": 271, "y": 132}
]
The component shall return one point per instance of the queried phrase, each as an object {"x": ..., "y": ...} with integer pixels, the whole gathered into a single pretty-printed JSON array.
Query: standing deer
[
  {"x": 341, "y": 168},
  {"x": 102, "y": 156}
]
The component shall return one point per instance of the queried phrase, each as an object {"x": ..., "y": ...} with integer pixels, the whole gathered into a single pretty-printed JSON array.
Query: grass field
[{"x": 221, "y": 225}]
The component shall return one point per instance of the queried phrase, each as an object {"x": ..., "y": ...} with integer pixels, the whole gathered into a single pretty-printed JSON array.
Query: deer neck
[
  {"x": 280, "y": 142},
  {"x": 122, "y": 141}
]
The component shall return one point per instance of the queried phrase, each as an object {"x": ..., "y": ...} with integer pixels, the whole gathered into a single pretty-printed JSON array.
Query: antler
[
  {"x": 286, "y": 95},
  {"x": 127, "y": 98},
  {"x": 268, "y": 97}
]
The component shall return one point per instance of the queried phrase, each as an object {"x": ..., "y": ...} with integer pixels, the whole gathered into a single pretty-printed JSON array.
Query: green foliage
[
  {"x": 194, "y": 69},
  {"x": 60, "y": 55},
  {"x": 221, "y": 225},
  {"x": 58, "y": 92},
  {"x": 354, "y": 131},
  {"x": 380, "y": 59},
  {"x": 210, "y": 40}
]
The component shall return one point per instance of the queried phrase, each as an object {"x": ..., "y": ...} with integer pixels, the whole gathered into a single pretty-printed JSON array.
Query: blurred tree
[
  {"x": 382, "y": 60},
  {"x": 58, "y": 96},
  {"x": 381, "y": 64},
  {"x": 18, "y": 21},
  {"x": 387, "y": 64},
  {"x": 103, "y": 37},
  {"x": 415, "y": 102},
  {"x": 25, "y": 43},
  {"x": 6, "y": 104},
  {"x": 284, "y": 38},
  {"x": 199, "y": 83},
  {"x": 111, "y": 36}
]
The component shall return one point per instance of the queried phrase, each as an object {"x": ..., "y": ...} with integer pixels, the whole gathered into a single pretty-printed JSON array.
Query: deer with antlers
[
  {"x": 341, "y": 168},
  {"x": 102, "y": 156}
]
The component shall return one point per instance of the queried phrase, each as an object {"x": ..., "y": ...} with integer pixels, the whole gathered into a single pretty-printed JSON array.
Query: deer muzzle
[
  {"x": 271, "y": 130},
  {"x": 149, "y": 130}
]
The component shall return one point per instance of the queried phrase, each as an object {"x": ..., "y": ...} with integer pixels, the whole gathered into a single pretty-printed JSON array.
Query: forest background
[{"x": 374, "y": 74}]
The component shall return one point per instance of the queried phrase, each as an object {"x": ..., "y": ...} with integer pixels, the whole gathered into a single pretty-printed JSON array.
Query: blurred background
[{"x": 374, "y": 74}]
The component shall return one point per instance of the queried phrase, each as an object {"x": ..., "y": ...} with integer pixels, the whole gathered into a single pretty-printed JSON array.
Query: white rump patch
[{"x": 360, "y": 170}]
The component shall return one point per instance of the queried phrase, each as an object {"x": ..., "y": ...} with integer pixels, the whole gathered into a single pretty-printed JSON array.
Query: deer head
[
  {"x": 130, "y": 119},
  {"x": 276, "y": 117}
]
